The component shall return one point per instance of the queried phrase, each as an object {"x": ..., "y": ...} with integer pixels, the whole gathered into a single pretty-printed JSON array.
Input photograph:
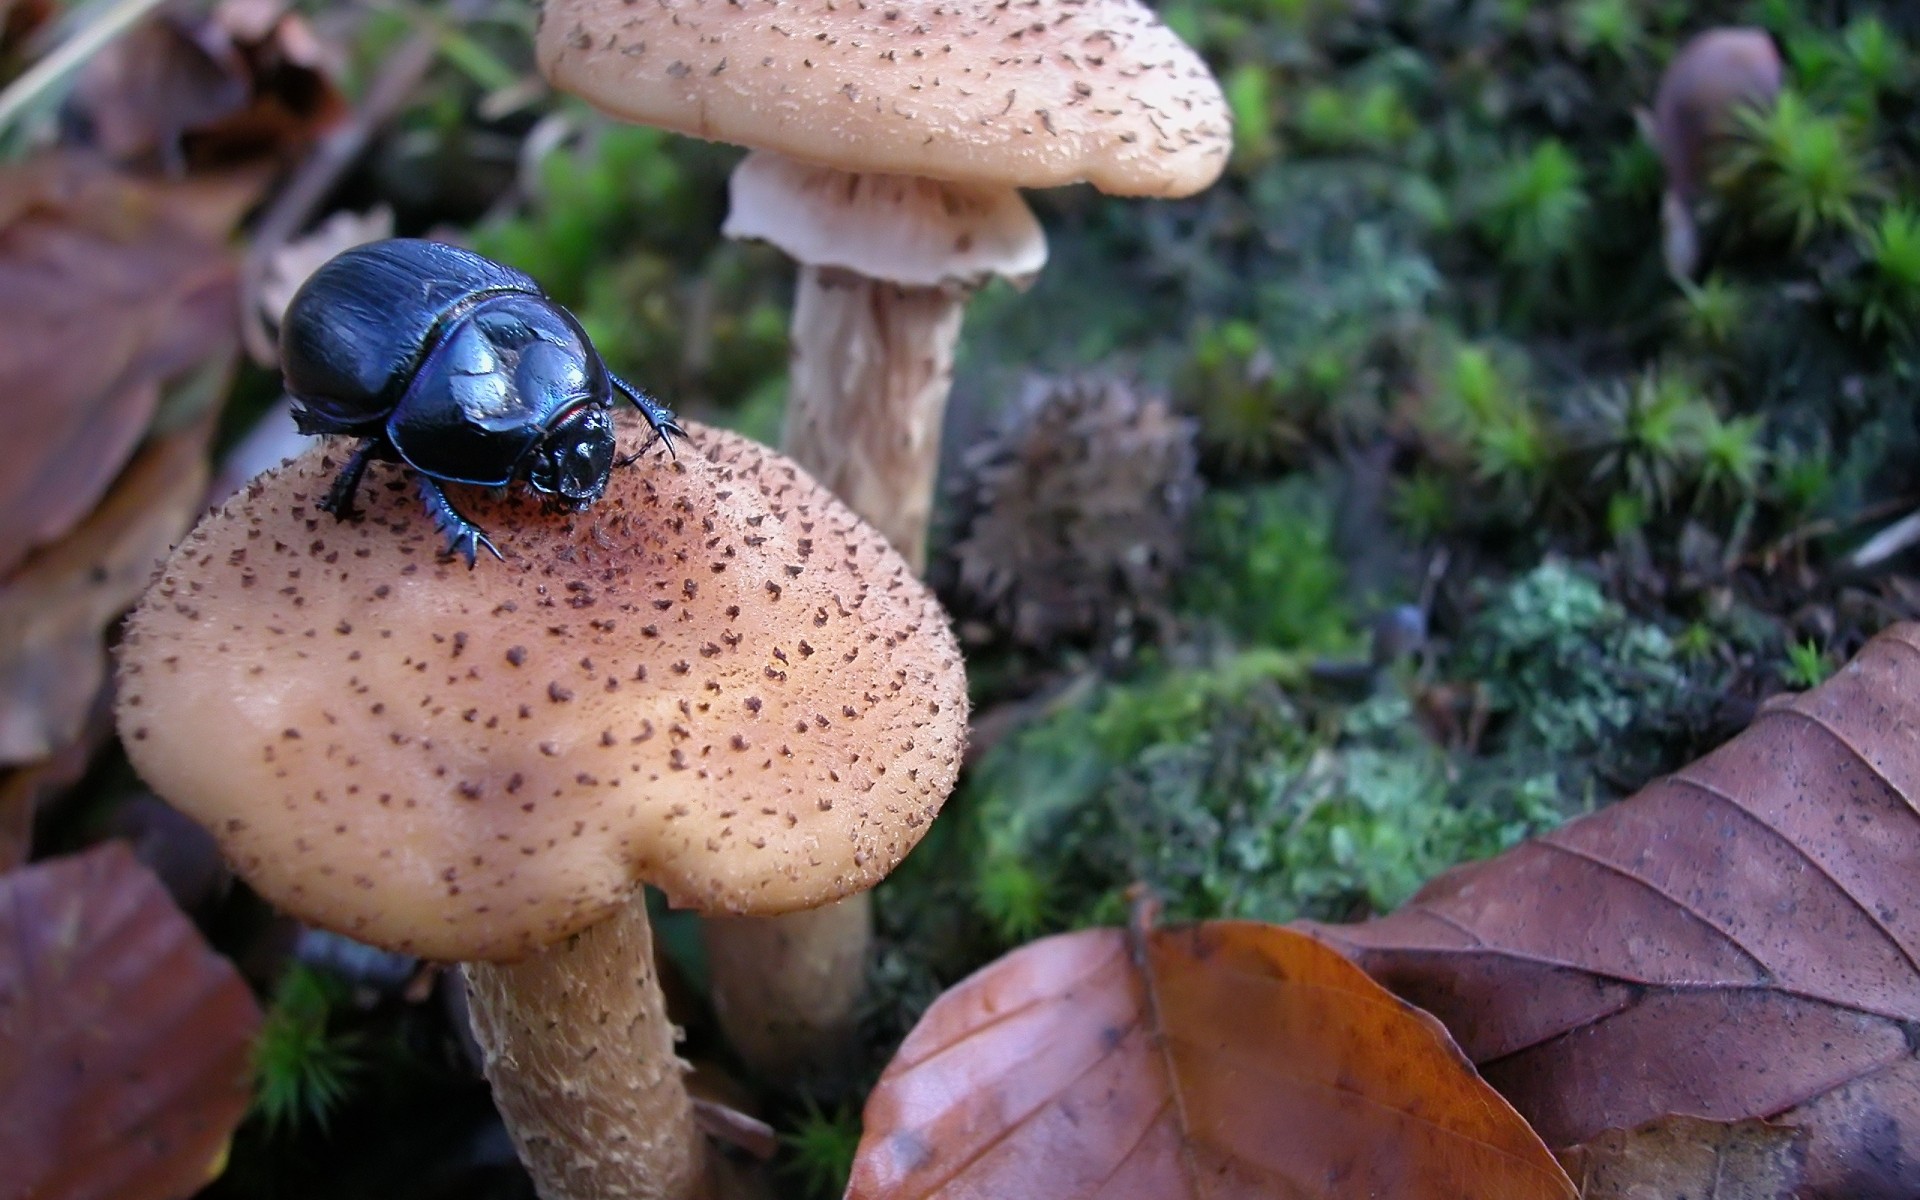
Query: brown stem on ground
[
  {"x": 786, "y": 988},
  {"x": 872, "y": 363},
  {"x": 580, "y": 1053}
]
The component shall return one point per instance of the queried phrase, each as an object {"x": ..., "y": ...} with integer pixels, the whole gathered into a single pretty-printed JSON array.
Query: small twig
[
  {"x": 1828, "y": 527},
  {"x": 76, "y": 50},
  {"x": 1882, "y": 546}
]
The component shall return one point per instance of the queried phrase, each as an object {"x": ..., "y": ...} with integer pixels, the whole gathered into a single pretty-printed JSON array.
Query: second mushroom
[{"x": 890, "y": 141}]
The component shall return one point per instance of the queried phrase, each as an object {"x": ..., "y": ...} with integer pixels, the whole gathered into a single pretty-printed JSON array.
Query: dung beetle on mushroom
[{"x": 458, "y": 367}]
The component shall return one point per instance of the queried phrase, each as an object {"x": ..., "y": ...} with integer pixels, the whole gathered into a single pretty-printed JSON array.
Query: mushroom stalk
[
  {"x": 871, "y": 367},
  {"x": 580, "y": 1054},
  {"x": 785, "y": 988},
  {"x": 887, "y": 265}
]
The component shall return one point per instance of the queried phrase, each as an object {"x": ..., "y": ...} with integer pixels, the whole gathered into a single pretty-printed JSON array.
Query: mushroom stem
[
  {"x": 872, "y": 364},
  {"x": 785, "y": 988},
  {"x": 580, "y": 1053}
]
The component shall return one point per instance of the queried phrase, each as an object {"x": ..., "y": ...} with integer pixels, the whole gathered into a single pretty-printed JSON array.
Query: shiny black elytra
[{"x": 458, "y": 367}]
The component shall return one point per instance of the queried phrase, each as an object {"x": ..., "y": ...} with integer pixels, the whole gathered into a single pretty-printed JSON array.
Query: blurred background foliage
[{"x": 1463, "y": 514}]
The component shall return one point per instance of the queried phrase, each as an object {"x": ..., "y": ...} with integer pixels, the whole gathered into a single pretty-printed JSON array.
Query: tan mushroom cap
[
  {"x": 901, "y": 228},
  {"x": 716, "y": 679},
  {"x": 1026, "y": 93}
]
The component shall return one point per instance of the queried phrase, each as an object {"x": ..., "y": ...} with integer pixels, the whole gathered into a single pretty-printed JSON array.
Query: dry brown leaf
[
  {"x": 54, "y": 610},
  {"x": 124, "y": 1039},
  {"x": 1229, "y": 1059},
  {"x": 1738, "y": 940},
  {"x": 1686, "y": 1157},
  {"x": 26, "y": 789},
  {"x": 109, "y": 290},
  {"x": 245, "y": 81}
]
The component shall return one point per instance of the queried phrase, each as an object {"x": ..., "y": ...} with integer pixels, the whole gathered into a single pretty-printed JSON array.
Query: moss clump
[
  {"x": 1573, "y": 680},
  {"x": 1230, "y": 797},
  {"x": 1265, "y": 568},
  {"x": 303, "y": 1068}
]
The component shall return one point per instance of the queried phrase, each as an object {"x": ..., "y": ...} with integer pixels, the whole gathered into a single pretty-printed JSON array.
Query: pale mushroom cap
[
  {"x": 901, "y": 228},
  {"x": 716, "y": 679},
  {"x": 1713, "y": 75},
  {"x": 1027, "y": 93}
]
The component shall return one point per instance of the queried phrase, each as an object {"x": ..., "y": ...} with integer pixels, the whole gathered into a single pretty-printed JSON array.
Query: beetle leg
[
  {"x": 463, "y": 536},
  {"x": 339, "y": 500},
  {"x": 658, "y": 415}
]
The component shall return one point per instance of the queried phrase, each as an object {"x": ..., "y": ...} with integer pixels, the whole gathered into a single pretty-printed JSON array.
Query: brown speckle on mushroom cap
[
  {"x": 716, "y": 679},
  {"x": 1027, "y": 93}
]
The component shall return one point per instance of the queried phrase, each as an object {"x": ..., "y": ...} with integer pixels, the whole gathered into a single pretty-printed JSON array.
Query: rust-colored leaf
[
  {"x": 1738, "y": 940},
  {"x": 54, "y": 610},
  {"x": 1229, "y": 1059},
  {"x": 123, "y": 1038},
  {"x": 1686, "y": 1157},
  {"x": 110, "y": 289}
]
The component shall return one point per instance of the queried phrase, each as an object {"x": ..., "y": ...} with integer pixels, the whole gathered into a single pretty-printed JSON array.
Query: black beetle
[{"x": 458, "y": 367}]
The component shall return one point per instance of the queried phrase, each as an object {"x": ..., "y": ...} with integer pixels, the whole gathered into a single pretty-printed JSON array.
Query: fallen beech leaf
[
  {"x": 124, "y": 1039},
  {"x": 1736, "y": 941},
  {"x": 24, "y": 790},
  {"x": 1687, "y": 1157},
  {"x": 109, "y": 290},
  {"x": 248, "y": 80},
  {"x": 55, "y": 609},
  {"x": 139, "y": 95},
  {"x": 1229, "y": 1059}
]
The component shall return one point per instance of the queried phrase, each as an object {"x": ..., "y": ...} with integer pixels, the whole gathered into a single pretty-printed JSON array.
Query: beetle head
[{"x": 573, "y": 458}]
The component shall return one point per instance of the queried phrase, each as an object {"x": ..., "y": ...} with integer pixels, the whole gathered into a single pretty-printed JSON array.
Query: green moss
[
  {"x": 1806, "y": 666},
  {"x": 1371, "y": 117},
  {"x": 1264, "y": 566},
  {"x": 1797, "y": 171},
  {"x": 1712, "y": 313},
  {"x": 1605, "y": 27},
  {"x": 1424, "y": 504},
  {"x": 1250, "y": 96},
  {"x": 1244, "y": 803},
  {"x": 1890, "y": 295},
  {"x": 1533, "y": 209},
  {"x": 1483, "y": 403},
  {"x": 302, "y": 1070},
  {"x": 1647, "y": 436},
  {"x": 1572, "y": 676},
  {"x": 820, "y": 1148}
]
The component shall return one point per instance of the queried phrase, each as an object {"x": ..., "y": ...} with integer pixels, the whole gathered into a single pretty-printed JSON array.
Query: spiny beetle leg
[
  {"x": 463, "y": 536},
  {"x": 339, "y": 499},
  {"x": 658, "y": 415}
]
